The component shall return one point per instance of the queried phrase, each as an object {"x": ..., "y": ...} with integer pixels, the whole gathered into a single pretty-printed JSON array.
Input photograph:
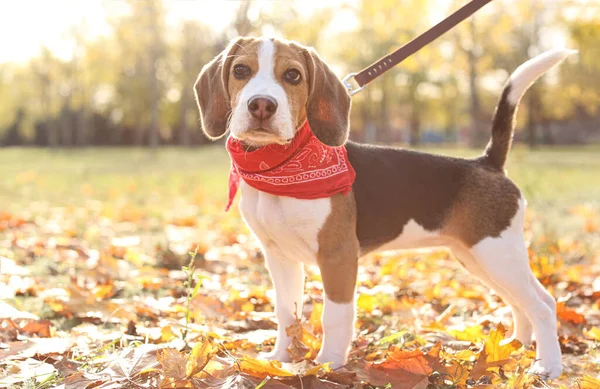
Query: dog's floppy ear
[
  {"x": 211, "y": 92},
  {"x": 328, "y": 106}
]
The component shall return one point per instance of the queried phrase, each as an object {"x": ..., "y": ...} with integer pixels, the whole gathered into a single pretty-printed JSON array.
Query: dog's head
[{"x": 262, "y": 90}]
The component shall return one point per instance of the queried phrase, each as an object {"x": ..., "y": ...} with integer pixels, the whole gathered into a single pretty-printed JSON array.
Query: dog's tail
[{"x": 503, "y": 123}]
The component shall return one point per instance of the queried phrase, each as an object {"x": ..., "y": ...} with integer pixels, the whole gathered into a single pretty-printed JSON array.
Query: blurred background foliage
[{"x": 130, "y": 83}]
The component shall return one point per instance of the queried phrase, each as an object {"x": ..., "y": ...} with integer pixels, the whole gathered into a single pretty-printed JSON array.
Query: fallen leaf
[
  {"x": 414, "y": 362},
  {"x": 315, "y": 318},
  {"x": 297, "y": 350},
  {"x": 588, "y": 382},
  {"x": 495, "y": 347},
  {"x": 592, "y": 333},
  {"x": 495, "y": 353},
  {"x": 40, "y": 328},
  {"x": 473, "y": 334},
  {"x": 201, "y": 354},
  {"x": 262, "y": 369},
  {"x": 81, "y": 380},
  {"x": 569, "y": 314},
  {"x": 173, "y": 365},
  {"x": 133, "y": 361}
]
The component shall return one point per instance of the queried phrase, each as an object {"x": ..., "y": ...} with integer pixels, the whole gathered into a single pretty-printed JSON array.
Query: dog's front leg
[
  {"x": 288, "y": 281},
  {"x": 339, "y": 280}
]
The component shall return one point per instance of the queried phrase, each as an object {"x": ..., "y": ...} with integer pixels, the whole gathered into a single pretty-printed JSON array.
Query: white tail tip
[{"x": 528, "y": 72}]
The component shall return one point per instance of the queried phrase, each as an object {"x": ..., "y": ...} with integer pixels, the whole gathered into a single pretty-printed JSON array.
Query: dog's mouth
[{"x": 261, "y": 136}]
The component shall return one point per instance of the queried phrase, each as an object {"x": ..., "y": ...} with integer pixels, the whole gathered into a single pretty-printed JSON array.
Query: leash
[{"x": 376, "y": 69}]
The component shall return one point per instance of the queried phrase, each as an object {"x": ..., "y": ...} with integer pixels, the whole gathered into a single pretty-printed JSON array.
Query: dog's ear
[
  {"x": 211, "y": 92},
  {"x": 328, "y": 106}
]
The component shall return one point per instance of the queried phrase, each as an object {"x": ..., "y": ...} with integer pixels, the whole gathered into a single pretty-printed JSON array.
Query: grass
[
  {"x": 142, "y": 211},
  {"x": 549, "y": 176}
]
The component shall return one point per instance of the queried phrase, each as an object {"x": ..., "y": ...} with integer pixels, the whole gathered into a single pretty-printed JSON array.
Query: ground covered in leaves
[{"x": 119, "y": 269}]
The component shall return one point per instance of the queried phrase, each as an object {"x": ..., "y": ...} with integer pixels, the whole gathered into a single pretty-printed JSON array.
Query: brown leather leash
[{"x": 376, "y": 69}]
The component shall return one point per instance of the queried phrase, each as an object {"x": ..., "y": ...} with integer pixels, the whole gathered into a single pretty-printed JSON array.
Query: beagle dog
[{"x": 399, "y": 199}]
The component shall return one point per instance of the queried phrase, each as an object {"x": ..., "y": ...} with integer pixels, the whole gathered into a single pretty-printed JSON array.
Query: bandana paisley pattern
[{"x": 304, "y": 169}]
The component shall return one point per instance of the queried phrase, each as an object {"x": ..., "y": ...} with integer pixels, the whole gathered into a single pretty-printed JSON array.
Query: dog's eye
[
  {"x": 293, "y": 76},
  {"x": 241, "y": 71}
]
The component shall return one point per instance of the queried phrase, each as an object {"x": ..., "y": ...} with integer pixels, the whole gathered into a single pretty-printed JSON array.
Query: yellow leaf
[
  {"x": 167, "y": 334},
  {"x": 496, "y": 352},
  {"x": 472, "y": 334},
  {"x": 247, "y": 307},
  {"x": 201, "y": 354},
  {"x": 315, "y": 318},
  {"x": 496, "y": 349},
  {"x": 262, "y": 369},
  {"x": 315, "y": 370},
  {"x": 462, "y": 355},
  {"x": 588, "y": 382},
  {"x": 102, "y": 292},
  {"x": 366, "y": 302},
  {"x": 593, "y": 333}
]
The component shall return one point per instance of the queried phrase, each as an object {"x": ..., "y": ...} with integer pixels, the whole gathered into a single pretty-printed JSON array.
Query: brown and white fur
[{"x": 400, "y": 199}]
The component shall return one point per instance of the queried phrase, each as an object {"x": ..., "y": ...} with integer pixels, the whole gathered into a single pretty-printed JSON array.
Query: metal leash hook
[
  {"x": 351, "y": 90},
  {"x": 376, "y": 69}
]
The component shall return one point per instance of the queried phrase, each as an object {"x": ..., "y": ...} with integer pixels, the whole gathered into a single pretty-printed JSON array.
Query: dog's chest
[{"x": 285, "y": 226}]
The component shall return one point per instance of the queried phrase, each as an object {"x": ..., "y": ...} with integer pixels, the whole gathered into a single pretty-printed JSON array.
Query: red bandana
[{"x": 304, "y": 169}]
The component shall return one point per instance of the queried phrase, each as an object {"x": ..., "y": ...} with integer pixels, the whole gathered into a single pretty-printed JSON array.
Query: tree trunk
[
  {"x": 415, "y": 127},
  {"x": 477, "y": 140},
  {"x": 547, "y": 132},
  {"x": 153, "y": 138},
  {"x": 384, "y": 126},
  {"x": 533, "y": 112},
  {"x": 186, "y": 97}
]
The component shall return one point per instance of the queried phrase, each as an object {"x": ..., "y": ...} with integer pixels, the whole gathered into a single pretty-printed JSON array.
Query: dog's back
[{"x": 395, "y": 186}]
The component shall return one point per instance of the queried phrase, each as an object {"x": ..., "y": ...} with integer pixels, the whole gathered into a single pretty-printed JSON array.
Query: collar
[{"x": 305, "y": 168}]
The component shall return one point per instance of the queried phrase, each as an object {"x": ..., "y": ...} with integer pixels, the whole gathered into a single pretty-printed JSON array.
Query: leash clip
[{"x": 351, "y": 90}]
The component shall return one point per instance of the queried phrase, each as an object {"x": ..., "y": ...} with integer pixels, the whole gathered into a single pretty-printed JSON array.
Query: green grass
[{"x": 557, "y": 177}]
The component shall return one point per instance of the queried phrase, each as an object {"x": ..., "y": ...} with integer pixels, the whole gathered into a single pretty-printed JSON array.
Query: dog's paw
[
  {"x": 277, "y": 355},
  {"x": 336, "y": 360},
  {"x": 546, "y": 371}
]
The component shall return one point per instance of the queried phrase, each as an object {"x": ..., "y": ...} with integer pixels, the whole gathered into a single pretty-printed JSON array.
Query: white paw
[
  {"x": 277, "y": 355},
  {"x": 335, "y": 359},
  {"x": 546, "y": 371}
]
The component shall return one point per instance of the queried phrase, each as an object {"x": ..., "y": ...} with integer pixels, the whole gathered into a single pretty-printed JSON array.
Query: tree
[{"x": 194, "y": 48}]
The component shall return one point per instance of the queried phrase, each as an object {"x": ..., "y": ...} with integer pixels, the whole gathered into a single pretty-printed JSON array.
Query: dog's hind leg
[
  {"x": 522, "y": 329},
  {"x": 505, "y": 261},
  {"x": 544, "y": 295}
]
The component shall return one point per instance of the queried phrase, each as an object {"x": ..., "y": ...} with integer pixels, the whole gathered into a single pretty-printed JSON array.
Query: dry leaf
[
  {"x": 262, "y": 369},
  {"x": 201, "y": 354},
  {"x": 495, "y": 352},
  {"x": 569, "y": 314},
  {"x": 40, "y": 328},
  {"x": 172, "y": 363},
  {"x": 81, "y": 380},
  {"x": 133, "y": 361},
  {"x": 588, "y": 382},
  {"x": 414, "y": 362},
  {"x": 592, "y": 333},
  {"x": 496, "y": 349},
  {"x": 315, "y": 318},
  {"x": 297, "y": 350}
]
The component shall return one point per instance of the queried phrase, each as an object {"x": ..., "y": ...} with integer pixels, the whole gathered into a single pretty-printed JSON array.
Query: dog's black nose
[{"x": 262, "y": 107}]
